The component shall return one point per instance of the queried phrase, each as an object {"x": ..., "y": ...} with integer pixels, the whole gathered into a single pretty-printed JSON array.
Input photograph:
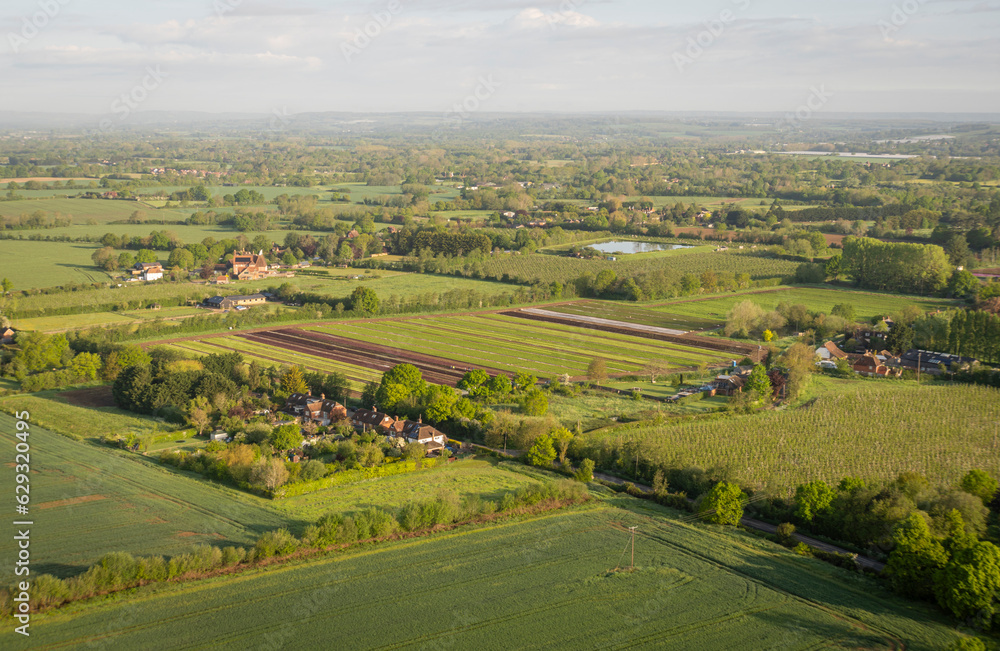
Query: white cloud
[{"x": 535, "y": 18}]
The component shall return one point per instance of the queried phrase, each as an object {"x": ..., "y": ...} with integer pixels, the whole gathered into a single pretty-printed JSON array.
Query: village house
[
  {"x": 148, "y": 271},
  {"x": 249, "y": 266},
  {"x": 7, "y": 336},
  {"x": 876, "y": 365},
  {"x": 317, "y": 410},
  {"x": 830, "y": 352},
  {"x": 371, "y": 419}
]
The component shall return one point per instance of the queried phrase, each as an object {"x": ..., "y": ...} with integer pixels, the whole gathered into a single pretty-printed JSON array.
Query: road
[{"x": 750, "y": 523}]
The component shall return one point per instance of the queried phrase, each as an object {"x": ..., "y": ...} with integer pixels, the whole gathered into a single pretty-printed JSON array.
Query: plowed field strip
[
  {"x": 365, "y": 355},
  {"x": 361, "y": 374}
]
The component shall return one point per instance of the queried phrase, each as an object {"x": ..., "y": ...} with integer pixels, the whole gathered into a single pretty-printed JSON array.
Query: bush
[
  {"x": 375, "y": 523},
  {"x": 785, "y": 532},
  {"x": 274, "y": 543},
  {"x": 586, "y": 472}
]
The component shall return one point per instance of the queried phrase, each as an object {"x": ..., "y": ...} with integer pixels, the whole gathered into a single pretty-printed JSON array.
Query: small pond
[{"x": 635, "y": 247}]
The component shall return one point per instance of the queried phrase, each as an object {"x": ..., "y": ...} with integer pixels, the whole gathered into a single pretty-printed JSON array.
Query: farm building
[
  {"x": 249, "y": 266},
  {"x": 218, "y": 435},
  {"x": 231, "y": 302},
  {"x": 871, "y": 364},
  {"x": 930, "y": 362},
  {"x": 830, "y": 351},
  {"x": 148, "y": 271},
  {"x": 7, "y": 336}
]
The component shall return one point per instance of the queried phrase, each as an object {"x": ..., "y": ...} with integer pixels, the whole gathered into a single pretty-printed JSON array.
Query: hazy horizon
[{"x": 115, "y": 58}]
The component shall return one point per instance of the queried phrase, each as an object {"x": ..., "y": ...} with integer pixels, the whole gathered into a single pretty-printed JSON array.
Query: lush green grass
[
  {"x": 484, "y": 478},
  {"x": 87, "y": 501},
  {"x": 406, "y": 289},
  {"x": 633, "y": 313},
  {"x": 31, "y": 264},
  {"x": 84, "y": 211},
  {"x": 273, "y": 356},
  {"x": 544, "y": 582},
  {"x": 512, "y": 344},
  {"x": 540, "y": 266},
  {"x": 49, "y": 409},
  {"x": 817, "y": 299},
  {"x": 873, "y": 429}
]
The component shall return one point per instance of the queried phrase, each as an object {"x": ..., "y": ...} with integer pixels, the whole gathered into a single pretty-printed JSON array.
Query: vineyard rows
[{"x": 872, "y": 432}]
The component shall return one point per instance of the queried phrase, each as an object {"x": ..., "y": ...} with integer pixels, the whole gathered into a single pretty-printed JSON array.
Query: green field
[
  {"x": 87, "y": 501},
  {"x": 78, "y": 321},
  {"x": 488, "y": 479},
  {"x": 50, "y": 409},
  {"x": 32, "y": 264},
  {"x": 632, "y": 313},
  {"x": 873, "y": 429},
  {"x": 539, "y": 266},
  {"x": 403, "y": 290},
  {"x": 818, "y": 299},
  {"x": 272, "y": 356},
  {"x": 542, "y": 582},
  {"x": 84, "y": 211},
  {"x": 512, "y": 344}
]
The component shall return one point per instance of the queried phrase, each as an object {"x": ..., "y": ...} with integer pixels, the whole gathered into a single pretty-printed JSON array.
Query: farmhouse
[
  {"x": 318, "y": 410},
  {"x": 148, "y": 271},
  {"x": 249, "y": 266},
  {"x": 6, "y": 336},
  {"x": 366, "y": 420},
  {"x": 830, "y": 351},
  {"x": 872, "y": 365}
]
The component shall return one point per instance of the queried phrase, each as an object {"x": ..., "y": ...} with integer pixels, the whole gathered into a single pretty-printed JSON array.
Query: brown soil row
[
  {"x": 358, "y": 353},
  {"x": 741, "y": 350}
]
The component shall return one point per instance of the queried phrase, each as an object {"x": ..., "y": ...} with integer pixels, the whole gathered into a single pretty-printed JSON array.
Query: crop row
[
  {"x": 631, "y": 314},
  {"x": 872, "y": 432},
  {"x": 629, "y": 349},
  {"x": 468, "y": 350}
]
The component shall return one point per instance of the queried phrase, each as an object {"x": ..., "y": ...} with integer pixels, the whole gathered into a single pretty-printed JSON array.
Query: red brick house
[{"x": 249, "y": 266}]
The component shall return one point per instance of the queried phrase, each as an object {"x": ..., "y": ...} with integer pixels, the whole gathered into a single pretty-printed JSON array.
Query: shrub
[
  {"x": 275, "y": 543},
  {"x": 785, "y": 532}
]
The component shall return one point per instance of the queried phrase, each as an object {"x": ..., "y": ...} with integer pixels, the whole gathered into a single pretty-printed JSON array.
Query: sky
[{"x": 114, "y": 57}]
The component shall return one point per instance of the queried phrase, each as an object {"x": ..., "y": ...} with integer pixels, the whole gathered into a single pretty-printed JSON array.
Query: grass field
[
  {"x": 272, "y": 356},
  {"x": 543, "y": 582},
  {"x": 51, "y": 410},
  {"x": 817, "y": 299},
  {"x": 87, "y": 501},
  {"x": 529, "y": 268},
  {"x": 633, "y": 313},
  {"x": 485, "y": 478},
  {"x": 512, "y": 344},
  {"x": 407, "y": 289},
  {"x": 31, "y": 264},
  {"x": 872, "y": 429},
  {"x": 78, "y": 321},
  {"x": 84, "y": 211}
]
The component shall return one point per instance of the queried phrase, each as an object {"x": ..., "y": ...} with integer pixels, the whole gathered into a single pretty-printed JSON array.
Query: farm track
[
  {"x": 696, "y": 341},
  {"x": 359, "y": 353}
]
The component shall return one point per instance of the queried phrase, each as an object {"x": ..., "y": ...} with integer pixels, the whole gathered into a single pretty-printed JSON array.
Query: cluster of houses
[
  {"x": 882, "y": 363},
  {"x": 147, "y": 271},
  {"x": 324, "y": 412}
]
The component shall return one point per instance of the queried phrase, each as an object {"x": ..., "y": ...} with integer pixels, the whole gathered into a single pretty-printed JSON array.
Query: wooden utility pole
[
  {"x": 632, "y": 564},
  {"x": 919, "y": 364}
]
